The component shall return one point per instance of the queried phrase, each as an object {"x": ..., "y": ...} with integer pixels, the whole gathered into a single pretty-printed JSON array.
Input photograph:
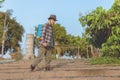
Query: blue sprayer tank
[{"x": 39, "y": 31}]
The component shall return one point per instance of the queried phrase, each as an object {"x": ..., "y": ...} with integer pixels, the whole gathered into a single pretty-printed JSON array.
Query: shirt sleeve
[{"x": 43, "y": 34}]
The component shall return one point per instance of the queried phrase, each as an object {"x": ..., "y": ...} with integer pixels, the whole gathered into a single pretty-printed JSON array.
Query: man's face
[{"x": 52, "y": 22}]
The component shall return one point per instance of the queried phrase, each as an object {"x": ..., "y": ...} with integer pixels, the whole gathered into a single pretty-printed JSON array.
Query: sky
[{"x": 30, "y": 13}]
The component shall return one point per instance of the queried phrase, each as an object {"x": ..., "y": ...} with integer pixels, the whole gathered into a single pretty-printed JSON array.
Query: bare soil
[{"x": 60, "y": 70}]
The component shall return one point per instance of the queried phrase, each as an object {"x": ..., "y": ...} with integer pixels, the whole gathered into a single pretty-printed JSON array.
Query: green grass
[{"x": 105, "y": 60}]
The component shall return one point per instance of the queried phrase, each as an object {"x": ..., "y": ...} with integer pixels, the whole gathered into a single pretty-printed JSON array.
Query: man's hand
[{"x": 45, "y": 44}]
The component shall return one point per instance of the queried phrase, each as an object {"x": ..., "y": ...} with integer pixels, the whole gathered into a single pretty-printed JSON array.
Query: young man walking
[{"x": 46, "y": 44}]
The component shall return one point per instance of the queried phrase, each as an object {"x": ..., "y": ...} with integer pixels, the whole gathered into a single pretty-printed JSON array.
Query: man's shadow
[{"x": 54, "y": 66}]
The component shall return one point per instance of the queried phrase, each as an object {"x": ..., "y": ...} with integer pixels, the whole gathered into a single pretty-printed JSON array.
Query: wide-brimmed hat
[{"x": 53, "y": 17}]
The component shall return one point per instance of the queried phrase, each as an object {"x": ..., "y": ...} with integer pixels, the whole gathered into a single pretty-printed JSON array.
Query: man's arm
[{"x": 43, "y": 35}]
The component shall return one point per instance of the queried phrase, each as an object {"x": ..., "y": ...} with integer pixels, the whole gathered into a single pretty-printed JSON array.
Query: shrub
[{"x": 105, "y": 60}]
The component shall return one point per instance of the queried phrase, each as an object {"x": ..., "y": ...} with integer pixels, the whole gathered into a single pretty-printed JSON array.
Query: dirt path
[{"x": 61, "y": 70}]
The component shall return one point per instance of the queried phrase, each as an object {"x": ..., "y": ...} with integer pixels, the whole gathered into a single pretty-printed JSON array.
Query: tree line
[{"x": 102, "y": 30}]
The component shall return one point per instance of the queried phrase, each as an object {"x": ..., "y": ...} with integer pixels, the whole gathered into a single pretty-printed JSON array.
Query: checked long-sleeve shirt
[{"x": 47, "y": 35}]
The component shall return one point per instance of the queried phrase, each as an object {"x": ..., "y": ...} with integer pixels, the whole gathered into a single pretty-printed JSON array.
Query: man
[{"x": 46, "y": 44}]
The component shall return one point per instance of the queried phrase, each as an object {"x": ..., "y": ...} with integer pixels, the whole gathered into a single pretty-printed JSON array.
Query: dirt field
[{"x": 60, "y": 70}]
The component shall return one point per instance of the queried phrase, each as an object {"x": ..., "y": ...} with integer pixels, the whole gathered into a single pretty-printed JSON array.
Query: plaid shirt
[{"x": 47, "y": 35}]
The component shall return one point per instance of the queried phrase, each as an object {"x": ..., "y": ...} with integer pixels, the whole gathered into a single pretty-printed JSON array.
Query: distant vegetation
[{"x": 102, "y": 31}]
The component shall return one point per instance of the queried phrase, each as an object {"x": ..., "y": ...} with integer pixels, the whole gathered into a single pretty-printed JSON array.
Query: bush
[
  {"x": 112, "y": 46},
  {"x": 53, "y": 56},
  {"x": 105, "y": 60}
]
